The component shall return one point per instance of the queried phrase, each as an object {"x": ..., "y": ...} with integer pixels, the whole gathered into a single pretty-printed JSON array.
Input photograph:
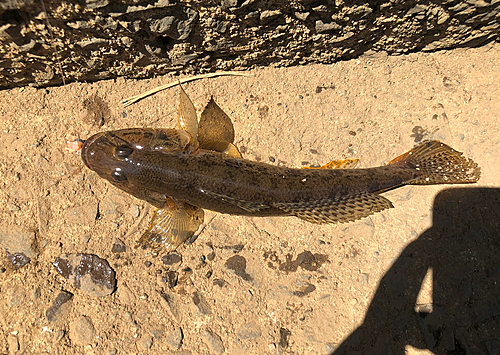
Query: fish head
[
  {"x": 113, "y": 155},
  {"x": 110, "y": 154}
]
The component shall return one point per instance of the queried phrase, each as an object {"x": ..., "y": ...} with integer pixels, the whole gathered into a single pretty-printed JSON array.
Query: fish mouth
[{"x": 87, "y": 152}]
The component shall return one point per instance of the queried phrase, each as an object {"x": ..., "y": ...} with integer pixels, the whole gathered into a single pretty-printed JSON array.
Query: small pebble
[
  {"x": 12, "y": 343},
  {"x": 284, "y": 336},
  {"x": 304, "y": 290},
  {"x": 156, "y": 333},
  {"x": 85, "y": 238},
  {"x": 19, "y": 244},
  {"x": 211, "y": 256},
  {"x": 111, "y": 205},
  {"x": 126, "y": 295},
  {"x": 219, "y": 282},
  {"x": 118, "y": 246},
  {"x": 134, "y": 211},
  {"x": 145, "y": 342},
  {"x": 60, "y": 307},
  {"x": 238, "y": 264},
  {"x": 13, "y": 208},
  {"x": 58, "y": 335},
  {"x": 330, "y": 348},
  {"x": 172, "y": 304},
  {"x": 171, "y": 259},
  {"x": 174, "y": 339},
  {"x": 363, "y": 278},
  {"x": 35, "y": 294},
  {"x": 201, "y": 303},
  {"x": 81, "y": 331},
  {"x": 170, "y": 279},
  {"x": 15, "y": 296},
  {"x": 214, "y": 341},
  {"x": 81, "y": 215},
  {"x": 18, "y": 260},
  {"x": 249, "y": 330}
]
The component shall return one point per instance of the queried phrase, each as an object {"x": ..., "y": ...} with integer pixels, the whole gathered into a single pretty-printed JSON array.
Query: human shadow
[{"x": 462, "y": 248}]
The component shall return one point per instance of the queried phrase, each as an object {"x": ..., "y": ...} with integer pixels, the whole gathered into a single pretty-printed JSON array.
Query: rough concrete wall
[{"x": 97, "y": 39}]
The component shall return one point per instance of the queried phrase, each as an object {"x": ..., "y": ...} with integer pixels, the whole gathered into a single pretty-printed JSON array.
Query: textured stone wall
[{"x": 97, "y": 39}]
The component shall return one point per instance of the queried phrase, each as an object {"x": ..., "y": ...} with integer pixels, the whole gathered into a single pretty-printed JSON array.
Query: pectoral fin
[
  {"x": 215, "y": 125},
  {"x": 186, "y": 118},
  {"x": 338, "y": 164},
  {"x": 337, "y": 210},
  {"x": 171, "y": 226}
]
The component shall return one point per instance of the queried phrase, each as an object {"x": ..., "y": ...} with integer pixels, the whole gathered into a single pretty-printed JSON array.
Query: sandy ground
[{"x": 261, "y": 285}]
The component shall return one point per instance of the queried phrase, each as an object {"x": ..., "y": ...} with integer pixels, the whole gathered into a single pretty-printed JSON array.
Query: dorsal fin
[
  {"x": 215, "y": 125},
  {"x": 187, "y": 119}
]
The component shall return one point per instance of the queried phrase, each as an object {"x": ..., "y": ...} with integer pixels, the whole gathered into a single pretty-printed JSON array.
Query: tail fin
[{"x": 439, "y": 164}]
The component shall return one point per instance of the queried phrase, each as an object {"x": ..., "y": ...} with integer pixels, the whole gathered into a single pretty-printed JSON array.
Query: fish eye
[
  {"x": 123, "y": 151},
  {"x": 119, "y": 176}
]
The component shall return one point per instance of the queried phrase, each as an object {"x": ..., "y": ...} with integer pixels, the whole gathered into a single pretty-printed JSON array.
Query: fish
[{"x": 195, "y": 167}]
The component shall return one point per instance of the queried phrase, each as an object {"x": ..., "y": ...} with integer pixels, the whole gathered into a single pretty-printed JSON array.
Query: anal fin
[
  {"x": 171, "y": 226},
  {"x": 337, "y": 210},
  {"x": 337, "y": 164}
]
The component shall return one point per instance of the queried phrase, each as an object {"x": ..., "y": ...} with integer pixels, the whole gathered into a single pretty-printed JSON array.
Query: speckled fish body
[{"x": 225, "y": 184}]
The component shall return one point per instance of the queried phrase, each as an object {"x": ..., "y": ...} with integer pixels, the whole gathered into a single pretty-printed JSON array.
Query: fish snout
[{"x": 92, "y": 148}]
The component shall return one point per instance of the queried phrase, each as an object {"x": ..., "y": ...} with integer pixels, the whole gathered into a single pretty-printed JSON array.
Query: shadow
[{"x": 462, "y": 250}]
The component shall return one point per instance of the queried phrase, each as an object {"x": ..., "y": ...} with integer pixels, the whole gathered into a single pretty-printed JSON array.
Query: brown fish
[{"x": 183, "y": 171}]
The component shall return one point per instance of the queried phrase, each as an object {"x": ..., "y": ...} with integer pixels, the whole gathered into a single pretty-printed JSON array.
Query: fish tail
[{"x": 438, "y": 164}]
